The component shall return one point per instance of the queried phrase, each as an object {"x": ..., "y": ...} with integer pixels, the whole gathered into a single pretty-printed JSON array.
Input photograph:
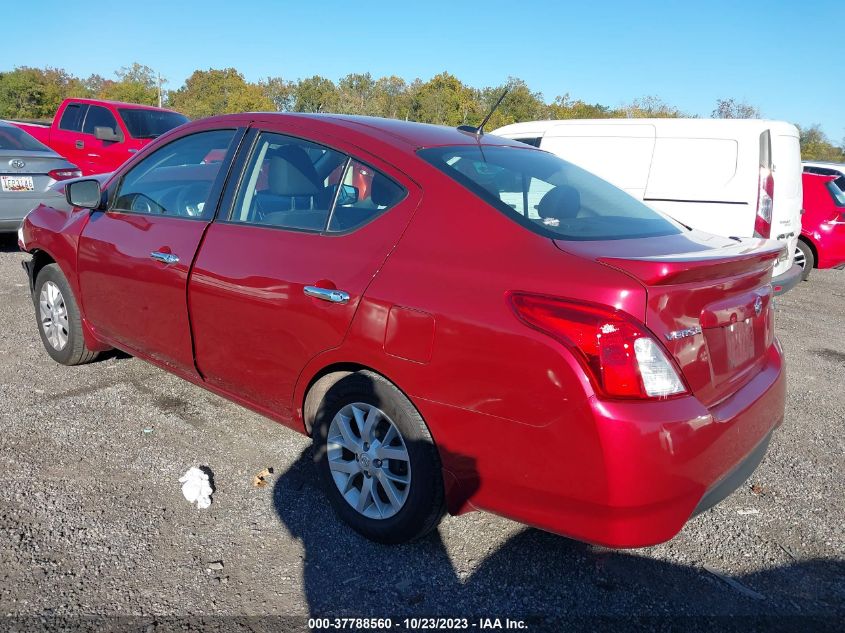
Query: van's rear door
[{"x": 788, "y": 191}]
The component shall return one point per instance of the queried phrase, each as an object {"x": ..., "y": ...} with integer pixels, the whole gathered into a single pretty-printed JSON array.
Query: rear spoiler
[{"x": 698, "y": 266}]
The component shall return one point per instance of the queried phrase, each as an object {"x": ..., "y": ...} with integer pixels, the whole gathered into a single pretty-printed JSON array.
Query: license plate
[
  {"x": 740, "y": 342},
  {"x": 17, "y": 183}
]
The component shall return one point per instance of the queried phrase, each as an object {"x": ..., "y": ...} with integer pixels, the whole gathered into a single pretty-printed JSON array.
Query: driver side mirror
[
  {"x": 84, "y": 193},
  {"x": 107, "y": 134}
]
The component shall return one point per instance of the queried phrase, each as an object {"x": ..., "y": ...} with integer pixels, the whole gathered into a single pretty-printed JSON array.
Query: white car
[{"x": 731, "y": 177}]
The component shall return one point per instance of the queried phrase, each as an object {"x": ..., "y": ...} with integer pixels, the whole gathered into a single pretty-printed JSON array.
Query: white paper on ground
[{"x": 196, "y": 487}]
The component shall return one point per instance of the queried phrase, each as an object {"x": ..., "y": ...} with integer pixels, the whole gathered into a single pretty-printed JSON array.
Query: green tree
[
  {"x": 135, "y": 84},
  {"x": 565, "y": 108},
  {"x": 35, "y": 93},
  {"x": 280, "y": 91},
  {"x": 520, "y": 104},
  {"x": 210, "y": 92},
  {"x": 443, "y": 99},
  {"x": 392, "y": 97},
  {"x": 816, "y": 146},
  {"x": 316, "y": 94},
  {"x": 356, "y": 94},
  {"x": 732, "y": 109},
  {"x": 649, "y": 107}
]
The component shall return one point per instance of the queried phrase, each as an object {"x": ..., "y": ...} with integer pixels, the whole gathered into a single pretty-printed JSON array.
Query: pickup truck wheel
[
  {"x": 804, "y": 257},
  {"x": 59, "y": 321},
  {"x": 377, "y": 460}
]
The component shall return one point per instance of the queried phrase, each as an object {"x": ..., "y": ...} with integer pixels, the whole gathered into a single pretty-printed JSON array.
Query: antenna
[{"x": 478, "y": 131}]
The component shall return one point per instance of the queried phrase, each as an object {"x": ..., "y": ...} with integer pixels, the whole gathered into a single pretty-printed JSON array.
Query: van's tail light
[
  {"x": 621, "y": 358},
  {"x": 64, "y": 174},
  {"x": 765, "y": 202}
]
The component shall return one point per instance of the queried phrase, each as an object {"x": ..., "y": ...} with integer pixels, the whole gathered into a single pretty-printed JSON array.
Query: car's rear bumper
[
  {"x": 788, "y": 280},
  {"x": 621, "y": 473}
]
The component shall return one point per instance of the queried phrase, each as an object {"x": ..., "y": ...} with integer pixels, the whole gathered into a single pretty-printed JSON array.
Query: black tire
[
  {"x": 74, "y": 351},
  {"x": 424, "y": 505},
  {"x": 809, "y": 259}
]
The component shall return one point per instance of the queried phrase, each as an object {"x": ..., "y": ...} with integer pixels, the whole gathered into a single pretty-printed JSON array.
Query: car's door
[
  {"x": 279, "y": 277},
  {"x": 66, "y": 137},
  {"x": 134, "y": 259},
  {"x": 98, "y": 155}
]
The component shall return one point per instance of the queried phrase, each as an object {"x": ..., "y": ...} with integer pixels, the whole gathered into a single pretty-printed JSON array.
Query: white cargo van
[{"x": 731, "y": 177}]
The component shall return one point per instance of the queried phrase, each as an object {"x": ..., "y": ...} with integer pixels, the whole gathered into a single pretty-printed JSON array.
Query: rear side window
[
  {"x": 295, "y": 184},
  {"x": 73, "y": 116},
  {"x": 99, "y": 116},
  {"x": 549, "y": 195}
]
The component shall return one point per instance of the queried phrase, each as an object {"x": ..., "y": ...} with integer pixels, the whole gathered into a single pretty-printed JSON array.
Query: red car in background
[
  {"x": 459, "y": 321},
  {"x": 822, "y": 241},
  {"x": 98, "y": 136}
]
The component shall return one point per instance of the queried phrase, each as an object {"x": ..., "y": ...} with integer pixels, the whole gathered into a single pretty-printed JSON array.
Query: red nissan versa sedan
[{"x": 459, "y": 321}]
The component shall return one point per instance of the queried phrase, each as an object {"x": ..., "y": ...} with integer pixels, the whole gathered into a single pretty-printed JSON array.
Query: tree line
[{"x": 35, "y": 93}]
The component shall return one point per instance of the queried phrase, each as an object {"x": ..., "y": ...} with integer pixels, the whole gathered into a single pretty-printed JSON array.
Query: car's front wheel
[
  {"x": 59, "y": 319},
  {"x": 377, "y": 460}
]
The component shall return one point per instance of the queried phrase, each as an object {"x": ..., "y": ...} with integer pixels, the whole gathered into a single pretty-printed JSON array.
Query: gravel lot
[{"x": 93, "y": 522}]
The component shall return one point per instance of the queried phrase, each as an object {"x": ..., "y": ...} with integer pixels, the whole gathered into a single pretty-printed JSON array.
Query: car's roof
[
  {"x": 118, "y": 104},
  {"x": 412, "y": 135}
]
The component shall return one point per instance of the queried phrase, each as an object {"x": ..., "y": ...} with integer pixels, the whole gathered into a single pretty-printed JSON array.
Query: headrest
[
  {"x": 561, "y": 203},
  {"x": 291, "y": 173}
]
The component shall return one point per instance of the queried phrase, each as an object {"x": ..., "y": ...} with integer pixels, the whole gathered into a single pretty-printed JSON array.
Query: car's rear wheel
[
  {"x": 59, "y": 320},
  {"x": 804, "y": 257},
  {"x": 377, "y": 460}
]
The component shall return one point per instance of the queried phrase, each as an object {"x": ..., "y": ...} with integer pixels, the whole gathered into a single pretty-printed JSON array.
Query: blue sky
[{"x": 784, "y": 57}]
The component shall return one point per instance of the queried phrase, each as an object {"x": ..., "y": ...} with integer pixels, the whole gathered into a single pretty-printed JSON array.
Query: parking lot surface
[{"x": 93, "y": 521}]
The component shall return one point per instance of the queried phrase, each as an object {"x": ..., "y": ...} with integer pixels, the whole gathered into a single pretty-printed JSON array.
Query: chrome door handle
[
  {"x": 164, "y": 258},
  {"x": 333, "y": 296}
]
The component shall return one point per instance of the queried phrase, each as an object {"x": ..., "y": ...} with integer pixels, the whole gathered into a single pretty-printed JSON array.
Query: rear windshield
[
  {"x": 837, "y": 190},
  {"x": 150, "y": 123},
  {"x": 14, "y": 138},
  {"x": 549, "y": 195}
]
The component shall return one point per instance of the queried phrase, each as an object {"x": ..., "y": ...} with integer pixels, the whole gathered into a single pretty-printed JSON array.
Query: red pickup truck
[{"x": 98, "y": 136}]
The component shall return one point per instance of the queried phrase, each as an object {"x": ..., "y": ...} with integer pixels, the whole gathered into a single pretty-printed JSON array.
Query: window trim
[
  {"x": 217, "y": 186},
  {"x": 117, "y": 129},
  {"x": 79, "y": 104},
  {"x": 239, "y": 166}
]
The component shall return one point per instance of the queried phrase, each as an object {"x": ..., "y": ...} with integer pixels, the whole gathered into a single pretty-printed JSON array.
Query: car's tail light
[
  {"x": 765, "y": 202},
  {"x": 64, "y": 174},
  {"x": 622, "y": 359}
]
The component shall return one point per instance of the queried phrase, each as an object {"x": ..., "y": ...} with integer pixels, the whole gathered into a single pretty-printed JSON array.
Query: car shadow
[
  {"x": 548, "y": 581},
  {"x": 8, "y": 243}
]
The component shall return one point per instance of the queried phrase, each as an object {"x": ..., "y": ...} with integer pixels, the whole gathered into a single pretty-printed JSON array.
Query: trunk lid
[{"x": 709, "y": 301}]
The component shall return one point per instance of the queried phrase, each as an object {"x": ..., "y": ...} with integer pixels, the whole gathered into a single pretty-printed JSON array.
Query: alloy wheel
[
  {"x": 799, "y": 258},
  {"x": 369, "y": 460},
  {"x": 53, "y": 312}
]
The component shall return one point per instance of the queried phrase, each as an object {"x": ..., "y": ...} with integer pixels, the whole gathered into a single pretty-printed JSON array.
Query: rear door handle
[
  {"x": 165, "y": 258},
  {"x": 332, "y": 296}
]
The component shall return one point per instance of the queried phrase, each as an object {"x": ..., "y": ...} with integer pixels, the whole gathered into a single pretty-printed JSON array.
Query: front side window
[
  {"x": 177, "y": 179},
  {"x": 99, "y": 116},
  {"x": 73, "y": 116},
  {"x": 295, "y": 184},
  {"x": 549, "y": 195}
]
